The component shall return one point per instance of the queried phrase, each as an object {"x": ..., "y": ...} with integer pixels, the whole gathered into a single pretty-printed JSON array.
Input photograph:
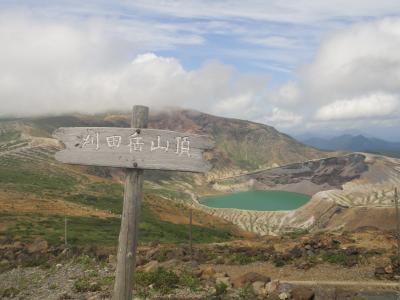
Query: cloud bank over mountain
[{"x": 59, "y": 65}]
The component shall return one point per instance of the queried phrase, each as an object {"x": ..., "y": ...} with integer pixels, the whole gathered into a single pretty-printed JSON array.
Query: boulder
[
  {"x": 259, "y": 288},
  {"x": 272, "y": 286},
  {"x": 380, "y": 271},
  {"x": 284, "y": 296},
  {"x": 250, "y": 277},
  {"x": 302, "y": 293},
  {"x": 389, "y": 269}
]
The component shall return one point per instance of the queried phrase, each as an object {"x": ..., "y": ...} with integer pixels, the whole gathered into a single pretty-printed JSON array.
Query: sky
[{"x": 306, "y": 67}]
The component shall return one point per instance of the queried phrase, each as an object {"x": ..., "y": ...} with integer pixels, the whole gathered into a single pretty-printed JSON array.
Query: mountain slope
[
  {"x": 36, "y": 191},
  {"x": 358, "y": 143}
]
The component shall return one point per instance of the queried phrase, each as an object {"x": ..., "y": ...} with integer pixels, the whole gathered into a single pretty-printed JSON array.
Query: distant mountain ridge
[{"x": 355, "y": 143}]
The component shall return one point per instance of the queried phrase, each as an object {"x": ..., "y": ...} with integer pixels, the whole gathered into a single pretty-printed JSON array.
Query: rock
[
  {"x": 310, "y": 252},
  {"x": 272, "y": 286},
  {"x": 296, "y": 252},
  {"x": 152, "y": 253},
  {"x": 304, "y": 266},
  {"x": 197, "y": 272},
  {"x": 38, "y": 246},
  {"x": 112, "y": 259},
  {"x": 351, "y": 251},
  {"x": 151, "y": 266},
  {"x": 170, "y": 263},
  {"x": 389, "y": 269},
  {"x": 208, "y": 273},
  {"x": 259, "y": 288},
  {"x": 284, "y": 296},
  {"x": 380, "y": 271},
  {"x": 250, "y": 278},
  {"x": 302, "y": 293},
  {"x": 285, "y": 287}
]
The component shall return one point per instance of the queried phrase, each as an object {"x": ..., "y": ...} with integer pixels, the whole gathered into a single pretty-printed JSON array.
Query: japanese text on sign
[{"x": 180, "y": 146}]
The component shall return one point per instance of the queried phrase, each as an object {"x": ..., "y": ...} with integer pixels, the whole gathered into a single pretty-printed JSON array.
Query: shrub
[
  {"x": 189, "y": 280},
  {"x": 162, "y": 280},
  {"x": 341, "y": 258},
  {"x": 220, "y": 289},
  {"x": 246, "y": 292}
]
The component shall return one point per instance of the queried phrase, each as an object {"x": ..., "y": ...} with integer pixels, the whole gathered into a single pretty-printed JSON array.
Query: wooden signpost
[{"x": 134, "y": 149}]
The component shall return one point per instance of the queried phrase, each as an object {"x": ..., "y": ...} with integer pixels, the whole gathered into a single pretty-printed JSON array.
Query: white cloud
[
  {"x": 370, "y": 106},
  {"x": 273, "y": 41},
  {"x": 361, "y": 59},
  {"x": 58, "y": 67},
  {"x": 283, "y": 118},
  {"x": 288, "y": 94}
]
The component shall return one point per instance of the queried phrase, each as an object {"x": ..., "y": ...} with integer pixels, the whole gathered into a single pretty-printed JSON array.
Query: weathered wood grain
[
  {"x": 128, "y": 235},
  {"x": 133, "y": 148}
]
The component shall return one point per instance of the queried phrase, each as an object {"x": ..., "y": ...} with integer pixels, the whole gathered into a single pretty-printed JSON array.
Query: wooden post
[
  {"x": 190, "y": 234},
  {"x": 128, "y": 234},
  {"x": 396, "y": 201}
]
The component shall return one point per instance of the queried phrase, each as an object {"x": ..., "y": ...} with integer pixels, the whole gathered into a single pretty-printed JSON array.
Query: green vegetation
[
  {"x": 19, "y": 176},
  {"x": 341, "y": 258},
  {"x": 96, "y": 231},
  {"x": 244, "y": 258},
  {"x": 246, "y": 292},
  {"x": 84, "y": 284},
  {"x": 190, "y": 281},
  {"x": 162, "y": 280},
  {"x": 220, "y": 289}
]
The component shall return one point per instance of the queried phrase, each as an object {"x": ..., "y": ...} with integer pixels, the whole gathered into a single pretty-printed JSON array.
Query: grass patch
[
  {"x": 341, "y": 258},
  {"x": 18, "y": 176},
  {"x": 95, "y": 231}
]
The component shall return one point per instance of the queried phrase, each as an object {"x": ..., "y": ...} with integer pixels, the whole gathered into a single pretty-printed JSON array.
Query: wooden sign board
[{"x": 133, "y": 148}]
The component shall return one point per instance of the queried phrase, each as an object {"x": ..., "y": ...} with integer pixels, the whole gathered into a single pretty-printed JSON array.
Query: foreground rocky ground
[{"x": 360, "y": 265}]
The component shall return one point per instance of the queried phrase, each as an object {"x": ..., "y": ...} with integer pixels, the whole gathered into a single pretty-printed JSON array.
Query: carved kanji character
[
  {"x": 158, "y": 146},
  {"x": 135, "y": 143}
]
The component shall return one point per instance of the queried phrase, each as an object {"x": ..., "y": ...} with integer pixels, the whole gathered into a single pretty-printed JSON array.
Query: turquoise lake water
[{"x": 258, "y": 200}]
